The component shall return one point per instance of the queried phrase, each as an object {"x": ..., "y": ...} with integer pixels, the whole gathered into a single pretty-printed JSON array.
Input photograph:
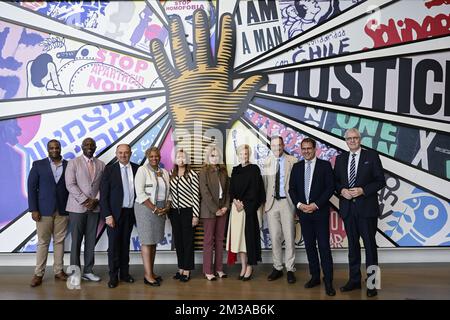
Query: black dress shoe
[
  {"x": 329, "y": 290},
  {"x": 349, "y": 286},
  {"x": 177, "y": 276},
  {"x": 127, "y": 278},
  {"x": 372, "y": 293},
  {"x": 112, "y": 283},
  {"x": 313, "y": 282},
  {"x": 291, "y": 277},
  {"x": 276, "y": 274},
  {"x": 185, "y": 278},
  {"x": 153, "y": 284}
]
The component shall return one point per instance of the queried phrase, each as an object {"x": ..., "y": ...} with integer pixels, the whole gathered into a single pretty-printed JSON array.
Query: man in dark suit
[
  {"x": 358, "y": 177},
  {"x": 310, "y": 187},
  {"x": 47, "y": 198},
  {"x": 117, "y": 208}
]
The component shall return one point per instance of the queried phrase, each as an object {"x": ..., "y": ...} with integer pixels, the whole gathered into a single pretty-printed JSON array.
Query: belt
[{"x": 279, "y": 198}]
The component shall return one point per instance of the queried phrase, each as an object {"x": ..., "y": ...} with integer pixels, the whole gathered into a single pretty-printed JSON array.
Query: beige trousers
[
  {"x": 280, "y": 220},
  {"x": 55, "y": 225}
]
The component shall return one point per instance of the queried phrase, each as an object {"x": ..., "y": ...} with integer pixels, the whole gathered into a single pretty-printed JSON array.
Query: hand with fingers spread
[{"x": 199, "y": 89}]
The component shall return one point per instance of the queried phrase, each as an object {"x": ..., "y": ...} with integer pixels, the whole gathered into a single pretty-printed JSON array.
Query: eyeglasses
[{"x": 352, "y": 138}]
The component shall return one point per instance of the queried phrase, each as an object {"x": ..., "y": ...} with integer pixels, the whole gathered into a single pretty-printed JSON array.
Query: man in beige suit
[
  {"x": 83, "y": 176},
  {"x": 279, "y": 209}
]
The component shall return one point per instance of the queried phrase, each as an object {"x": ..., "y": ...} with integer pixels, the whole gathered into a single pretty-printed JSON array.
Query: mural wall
[{"x": 304, "y": 68}]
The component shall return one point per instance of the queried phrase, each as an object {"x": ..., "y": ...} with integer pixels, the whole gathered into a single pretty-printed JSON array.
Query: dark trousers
[
  {"x": 316, "y": 231},
  {"x": 83, "y": 225},
  {"x": 183, "y": 236},
  {"x": 366, "y": 228},
  {"x": 119, "y": 244}
]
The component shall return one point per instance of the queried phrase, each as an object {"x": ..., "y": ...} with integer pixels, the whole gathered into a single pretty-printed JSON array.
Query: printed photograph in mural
[{"x": 188, "y": 74}]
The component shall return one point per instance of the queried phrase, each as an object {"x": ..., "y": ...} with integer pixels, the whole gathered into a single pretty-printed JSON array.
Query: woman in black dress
[{"x": 247, "y": 194}]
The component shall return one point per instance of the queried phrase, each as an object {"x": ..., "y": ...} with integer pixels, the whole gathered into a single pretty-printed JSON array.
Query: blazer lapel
[
  {"x": 82, "y": 163},
  {"x": 48, "y": 168},
  {"x": 314, "y": 175},
  {"x": 362, "y": 159},
  {"x": 134, "y": 169},
  {"x": 97, "y": 169},
  {"x": 346, "y": 157},
  {"x": 302, "y": 178},
  {"x": 117, "y": 169},
  {"x": 222, "y": 182},
  {"x": 61, "y": 179},
  {"x": 287, "y": 165}
]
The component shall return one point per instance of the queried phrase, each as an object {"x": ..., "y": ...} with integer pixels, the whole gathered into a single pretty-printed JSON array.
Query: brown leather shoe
[
  {"x": 36, "y": 281},
  {"x": 61, "y": 276}
]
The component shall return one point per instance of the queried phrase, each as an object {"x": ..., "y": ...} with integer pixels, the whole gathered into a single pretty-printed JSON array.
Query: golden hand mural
[{"x": 199, "y": 88}]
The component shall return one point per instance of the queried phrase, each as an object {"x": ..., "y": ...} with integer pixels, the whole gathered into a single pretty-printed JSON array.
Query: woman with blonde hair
[
  {"x": 214, "y": 205},
  {"x": 184, "y": 212},
  {"x": 152, "y": 204},
  {"x": 247, "y": 194}
]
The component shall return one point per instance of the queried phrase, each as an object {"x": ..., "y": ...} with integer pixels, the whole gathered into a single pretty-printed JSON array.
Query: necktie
[
  {"x": 307, "y": 179},
  {"x": 126, "y": 189},
  {"x": 91, "y": 168},
  {"x": 352, "y": 175},
  {"x": 277, "y": 181}
]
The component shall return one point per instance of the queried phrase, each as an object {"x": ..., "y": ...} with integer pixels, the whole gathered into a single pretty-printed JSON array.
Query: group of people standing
[{"x": 84, "y": 190}]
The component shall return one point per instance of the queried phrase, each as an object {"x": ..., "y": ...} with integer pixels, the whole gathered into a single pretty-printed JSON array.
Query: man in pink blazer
[{"x": 83, "y": 177}]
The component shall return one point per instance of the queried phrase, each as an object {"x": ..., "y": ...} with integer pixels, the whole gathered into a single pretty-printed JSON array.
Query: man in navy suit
[
  {"x": 117, "y": 208},
  {"x": 358, "y": 177},
  {"x": 47, "y": 198},
  {"x": 310, "y": 187}
]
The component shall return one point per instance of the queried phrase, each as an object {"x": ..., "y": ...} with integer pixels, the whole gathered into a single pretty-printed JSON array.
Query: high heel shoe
[
  {"x": 153, "y": 284},
  {"x": 158, "y": 278},
  {"x": 248, "y": 277}
]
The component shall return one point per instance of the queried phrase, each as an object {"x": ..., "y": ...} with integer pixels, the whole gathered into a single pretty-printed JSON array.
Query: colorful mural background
[{"x": 69, "y": 70}]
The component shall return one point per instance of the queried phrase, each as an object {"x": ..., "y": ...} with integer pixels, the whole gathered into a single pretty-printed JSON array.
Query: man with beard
[
  {"x": 47, "y": 199},
  {"x": 83, "y": 179}
]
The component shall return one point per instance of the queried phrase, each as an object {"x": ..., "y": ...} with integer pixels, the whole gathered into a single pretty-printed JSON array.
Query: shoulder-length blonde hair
[{"x": 209, "y": 150}]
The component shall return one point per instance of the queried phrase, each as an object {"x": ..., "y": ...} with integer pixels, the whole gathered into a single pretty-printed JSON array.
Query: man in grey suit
[
  {"x": 279, "y": 209},
  {"x": 83, "y": 177}
]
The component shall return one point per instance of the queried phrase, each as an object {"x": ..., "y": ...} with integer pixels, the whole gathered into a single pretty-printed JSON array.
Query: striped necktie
[{"x": 352, "y": 175}]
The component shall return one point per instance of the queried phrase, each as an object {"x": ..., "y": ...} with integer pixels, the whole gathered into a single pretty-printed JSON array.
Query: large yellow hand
[{"x": 200, "y": 91}]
